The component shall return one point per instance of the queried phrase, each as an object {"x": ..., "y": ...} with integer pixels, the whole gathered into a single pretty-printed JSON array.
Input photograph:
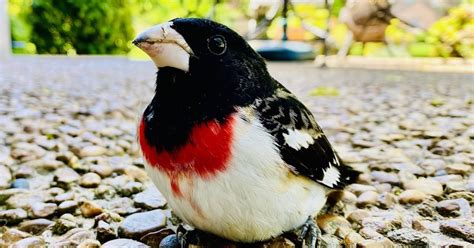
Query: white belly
[{"x": 255, "y": 198}]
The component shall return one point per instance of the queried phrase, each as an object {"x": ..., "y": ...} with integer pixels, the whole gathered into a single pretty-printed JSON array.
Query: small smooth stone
[
  {"x": 65, "y": 223},
  {"x": 67, "y": 206},
  {"x": 66, "y": 175},
  {"x": 105, "y": 231},
  {"x": 64, "y": 197},
  {"x": 458, "y": 228},
  {"x": 358, "y": 215},
  {"x": 367, "y": 198},
  {"x": 20, "y": 183},
  {"x": 36, "y": 226},
  {"x": 154, "y": 239},
  {"x": 130, "y": 188},
  {"x": 90, "y": 180},
  {"x": 74, "y": 237},
  {"x": 129, "y": 243},
  {"x": 411, "y": 196},
  {"x": 358, "y": 189},
  {"x": 139, "y": 224},
  {"x": 5, "y": 177},
  {"x": 448, "y": 178},
  {"x": 90, "y": 209},
  {"x": 90, "y": 151},
  {"x": 29, "y": 242},
  {"x": 13, "y": 235},
  {"x": 383, "y": 222},
  {"x": 170, "y": 241},
  {"x": 329, "y": 223},
  {"x": 278, "y": 243},
  {"x": 41, "y": 209},
  {"x": 136, "y": 173},
  {"x": 103, "y": 170},
  {"x": 386, "y": 200},
  {"x": 408, "y": 237},
  {"x": 461, "y": 169},
  {"x": 425, "y": 185},
  {"x": 89, "y": 243},
  {"x": 352, "y": 239},
  {"x": 377, "y": 243},
  {"x": 12, "y": 216},
  {"x": 151, "y": 198},
  {"x": 385, "y": 177}
]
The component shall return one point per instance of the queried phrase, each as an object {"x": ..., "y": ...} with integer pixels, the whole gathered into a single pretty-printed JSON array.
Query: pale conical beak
[{"x": 165, "y": 46}]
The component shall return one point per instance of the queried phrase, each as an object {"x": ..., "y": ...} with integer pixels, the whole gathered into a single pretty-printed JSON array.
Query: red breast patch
[{"x": 206, "y": 153}]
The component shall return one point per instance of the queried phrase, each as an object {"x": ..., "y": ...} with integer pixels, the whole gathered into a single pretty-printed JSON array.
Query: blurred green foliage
[
  {"x": 70, "y": 26},
  {"x": 450, "y": 36}
]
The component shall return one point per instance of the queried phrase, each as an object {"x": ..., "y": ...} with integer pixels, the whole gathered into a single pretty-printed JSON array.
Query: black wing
[{"x": 303, "y": 145}]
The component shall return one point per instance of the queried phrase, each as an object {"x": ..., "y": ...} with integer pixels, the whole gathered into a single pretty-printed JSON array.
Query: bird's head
[{"x": 198, "y": 46}]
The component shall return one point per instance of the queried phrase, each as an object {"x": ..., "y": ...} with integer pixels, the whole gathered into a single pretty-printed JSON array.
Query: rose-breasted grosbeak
[{"x": 232, "y": 150}]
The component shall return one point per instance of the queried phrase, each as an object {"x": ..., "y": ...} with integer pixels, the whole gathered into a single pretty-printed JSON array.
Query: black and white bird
[{"x": 231, "y": 149}]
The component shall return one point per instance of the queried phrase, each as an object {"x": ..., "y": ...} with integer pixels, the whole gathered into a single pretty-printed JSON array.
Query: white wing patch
[
  {"x": 331, "y": 176},
  {"x": 298, "y": 138}
]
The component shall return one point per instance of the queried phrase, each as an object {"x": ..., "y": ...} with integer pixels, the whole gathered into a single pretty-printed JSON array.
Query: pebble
[
  {"x": 130, "y": 188},
  {"x": 358, "y": 216},
  {"x": 139, "y": 224},
  {"x": 136, "y": 173},
  {"x": 12, "y": 235},
  {"x": 170, "y": 241},
  {"x": 386, "y": 200},
  {"x": 411, "y": 196},
  {"x": 461, "y": 169},
  {"x": 367, "y": 198},
  {"x": 67, "y": 206},
  {"x": 352, "y": 239},
  {"x": 65, "y": 223},
  {"x": 408, "y": 236},
  {"x": 90, "y": 209},
  {"x": 90, "y": 151},
  {"x": 103, "y": 170},
  {"x": 278, "y": 243},
  {"x": 74, "y": 237},
  {"x": 105, "y": 231},
  {"x": 89, "y": 243},
  {"x": 385, "y": 177},
  {"x": 90, "y": 180},
  {"x": 358, "y": 189},
  {"x": 150, "y": 198},
  {"x": 157, "y": 239},
  {"x": 66, "y": 175},
  {"x": 20, "y": 183},
  {"x": 383, "y": 222},
  {"x": 5, "y": 177},
  {"x": 458, "y": 228},
  {"x": 383, "y": 242},
  {"x": 36, "y": 226},
  {"x": 41, "y": 209},
  {"x": 329, "y": 223},
  {"x": 129, "y": 243},
  {"x": 12, "y": 216},
  {"x": 425, "y": 185},
  {"x": 30, "y": 242}
]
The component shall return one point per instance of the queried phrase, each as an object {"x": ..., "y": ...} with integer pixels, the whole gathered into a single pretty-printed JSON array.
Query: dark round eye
[{"x": 217, "y": 45}]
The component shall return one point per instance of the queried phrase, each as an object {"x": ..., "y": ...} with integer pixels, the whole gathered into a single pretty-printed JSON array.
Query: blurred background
[{"x": 374, "y": 28}]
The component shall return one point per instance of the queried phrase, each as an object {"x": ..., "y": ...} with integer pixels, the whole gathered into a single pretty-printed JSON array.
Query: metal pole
[{"x": 5, "y": 38}]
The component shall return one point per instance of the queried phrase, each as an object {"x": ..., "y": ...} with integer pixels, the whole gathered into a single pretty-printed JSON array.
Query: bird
[{"x": 233, "y": 151}]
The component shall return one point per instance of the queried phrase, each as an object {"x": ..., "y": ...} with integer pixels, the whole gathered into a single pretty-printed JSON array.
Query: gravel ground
[{"x": 71, "y": 173}]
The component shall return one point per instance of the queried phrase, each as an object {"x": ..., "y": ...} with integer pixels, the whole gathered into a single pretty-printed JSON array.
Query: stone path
[{"x": 71, "y": 173}]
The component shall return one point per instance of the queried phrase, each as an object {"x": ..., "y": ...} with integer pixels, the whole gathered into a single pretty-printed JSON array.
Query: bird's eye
[{"x": 217, "y": 45}]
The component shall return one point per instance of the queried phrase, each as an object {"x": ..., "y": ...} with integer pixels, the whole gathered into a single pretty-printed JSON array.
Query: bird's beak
[{"x": 165, "y": 46}]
